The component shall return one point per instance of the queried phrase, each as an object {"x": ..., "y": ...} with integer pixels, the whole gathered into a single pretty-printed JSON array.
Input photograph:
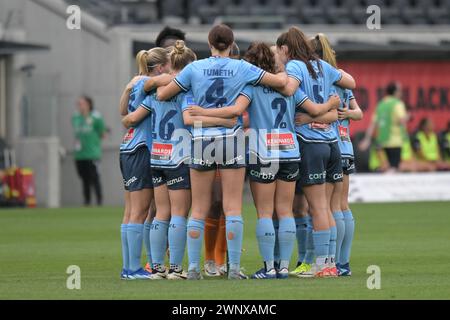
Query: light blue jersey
[
  {"x": 318, "y": 90},
  {"x": 171, "y": 140},
  {"x": 342, "y": 127},
  {"x": 272, "y": 123},
  {"x": 216, "y": 82},
  {"x": 138, "y": 135}
]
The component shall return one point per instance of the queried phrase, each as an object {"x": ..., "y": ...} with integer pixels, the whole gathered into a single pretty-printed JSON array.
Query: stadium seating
[{"x": 268, "y": 13}]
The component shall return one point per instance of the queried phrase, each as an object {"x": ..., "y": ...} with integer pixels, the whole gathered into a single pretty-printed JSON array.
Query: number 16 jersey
[{"x": 170, "y": 140}]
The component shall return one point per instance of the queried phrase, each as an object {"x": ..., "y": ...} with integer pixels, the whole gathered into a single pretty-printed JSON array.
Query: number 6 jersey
[{"x": 318, "y": 90}]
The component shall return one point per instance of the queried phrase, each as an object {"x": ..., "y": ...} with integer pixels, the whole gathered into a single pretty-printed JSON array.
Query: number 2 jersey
[
  {"x": 318, "y": 90},
  {"x": 138, "y": 135},
  {"x": 342, "y": 127},
  {"x": 272, "y": 123},
  {"x": 170, "y": 140},
  {"x": 216, "y": 82}
]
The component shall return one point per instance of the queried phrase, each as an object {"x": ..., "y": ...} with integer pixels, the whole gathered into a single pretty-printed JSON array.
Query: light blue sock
[
  {"x": 177, "y": 239},
  {"x": 309, "y": 256},
  {"x": 286, "y": 239},
  {"x": 265, "y": 233},
  {"x": 321, "y": 245},
  {"x": 146, "y": 236},
  {"x": 340, "y": 229},
  {"x": 276, "y": 249},
  {"x": 125, "y": 253},
  {"x": 348, "y": 237},
  {"x": 194, "y": 245},
  {"x": 332, "y": 248},
  {"x": 158, "y": 239},
  {"x": 301, "y": 232},
  {"x": 235, "y": 231},
  {"x": 134, "y": 237}
]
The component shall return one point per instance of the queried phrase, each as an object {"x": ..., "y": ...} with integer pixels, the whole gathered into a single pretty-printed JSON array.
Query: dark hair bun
[{"x": 221, "y": 37}]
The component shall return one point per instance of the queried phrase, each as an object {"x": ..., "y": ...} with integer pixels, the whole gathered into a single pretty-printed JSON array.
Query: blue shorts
[
  {"x": 348, "y": 166},
  {"x": 136, "y": 170},
  {"x": 321, "y": 162},
  {"x": 219, "y": 153},
  {"x": 268, "y": 173},
  {"x": 175, "y": 179}
]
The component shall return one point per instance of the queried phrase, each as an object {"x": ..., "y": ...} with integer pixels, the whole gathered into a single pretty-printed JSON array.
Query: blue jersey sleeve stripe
[
  {"x": 143, "y": 105},
  {"x": 180, "y": 85},
  {"x": 351, "y": 98},
  {"x": 302, "y": 102},
  {"x": 259, "y": 78},
  {"x": 294, "y": 77},
  {"x": 246, "y": 95}
]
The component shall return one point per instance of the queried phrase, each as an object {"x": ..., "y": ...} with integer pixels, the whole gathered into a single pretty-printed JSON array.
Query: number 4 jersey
[
  {"x": 170, "y": 140},
  {"x": 272, "y": 121},
  {"x": 216, "y": 82}
]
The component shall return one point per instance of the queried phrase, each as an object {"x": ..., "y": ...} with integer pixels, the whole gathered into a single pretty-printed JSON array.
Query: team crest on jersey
[
  {"x": 129, "y": 135},
  {"x": 162, "y": 151},
  {"x": 280, "y": 141},
  {"x": 254, "y": 69},
  {"x": 190, "y": 101}
]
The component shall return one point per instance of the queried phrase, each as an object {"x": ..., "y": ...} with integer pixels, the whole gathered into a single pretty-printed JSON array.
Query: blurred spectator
[
  {"x": 89, "y": 129},
  {"x": 444, "y": 143},
  {"x": 388, "y": 126},
  {"x": 426, "y": 146},
  {"x": 168, "y": 36}
]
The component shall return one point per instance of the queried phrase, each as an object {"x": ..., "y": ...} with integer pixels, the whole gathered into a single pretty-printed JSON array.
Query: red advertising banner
[{"x": 426, "y": 89}]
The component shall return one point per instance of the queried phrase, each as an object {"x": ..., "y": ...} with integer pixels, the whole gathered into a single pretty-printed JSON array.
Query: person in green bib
[
  {"x": 426, "y": 146},
  {"x": 89, "y": 129},
  {"x": 388, "y": 126},
  {"x": 444, "y": 143}
]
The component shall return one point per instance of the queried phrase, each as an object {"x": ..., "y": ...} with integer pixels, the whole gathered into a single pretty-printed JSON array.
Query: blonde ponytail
[
  {"x": 323, "y": 48},
  {"x": 148, "y": 60},
  {"x": 141, "y": 61},
  {"x": 181, "y": 56}
]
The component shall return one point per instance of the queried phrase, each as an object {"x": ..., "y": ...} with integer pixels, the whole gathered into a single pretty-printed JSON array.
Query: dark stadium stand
[{"x": 267, "y": 13}]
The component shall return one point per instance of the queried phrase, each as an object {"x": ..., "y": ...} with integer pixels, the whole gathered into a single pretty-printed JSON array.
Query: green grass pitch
[{"x": 409, "y": 242}]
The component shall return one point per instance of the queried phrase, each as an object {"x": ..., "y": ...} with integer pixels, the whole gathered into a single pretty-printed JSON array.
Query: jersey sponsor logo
[
  {"x": 344, "y": 133},
  {"x": 129, "y": 135},
  {"x": 157, "y": 180},
  {"x": 317, "y": 176},
  {"x": 262, "y": 175},
  {"x": 202, "y": 162},
  {"x": 130, "y": 181},
  {"x": 161, "y": 151},
  {"x": 175, "y": 181},
  {"x": 280, "y": 141},
  {"x": 294, "y": 175},
  {"x": 338, "y": 176}
]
